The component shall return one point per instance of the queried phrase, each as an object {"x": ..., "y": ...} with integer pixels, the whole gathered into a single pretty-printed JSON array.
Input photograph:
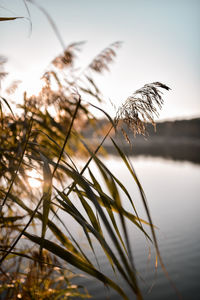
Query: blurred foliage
[{"x": 38, "y": 281}]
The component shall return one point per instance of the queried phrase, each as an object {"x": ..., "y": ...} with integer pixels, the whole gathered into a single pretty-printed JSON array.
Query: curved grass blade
[
  {"x": 108, "y": 207},
  {"x": 23, "y": 255},
  {"x": 51, "y": 22},
  {"x": 105, "y": 113},
  {"x": 95, "y": 223},
  {"x": 108, "y": 202},
  {"x": 81, "y": 182},
  {"x": 68, "y": 207},
  {"x": 11, "y": 219},
  {"x": 117, "y": 200},
  {"x": 51, "y": 139},
  {"x": 129, "y": 274},
  {"x": 131, "y": 170},
  {"x": 6, "y": 102},
  {"x": 90, "y": 159},
  {"x": 71, "y": 209},
  {"x": 99, "y": 164},
  {"x": 89, "y": 212},
  {"x": 22, "y": 232},
  {"x": 54, "y": 229},
  {"x": 88, "y": 228},
  {"x": 18, "y": 167},
  {"x": 69, "y": 245},
  {"x": 47, "y": 190},
  {"x": 29, "y": 15},
  {"x": 68, "y": 134},
  {"x": 75, "y": 261}
]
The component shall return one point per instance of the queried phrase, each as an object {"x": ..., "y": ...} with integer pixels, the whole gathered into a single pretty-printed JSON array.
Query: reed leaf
[
  {"x": 52, "y": 226},
  {"x": 9, "y": 18},
  {"x": 95, "y": 224},
  {"x": 68, "y": 133},
  {"x": 89, "y": 212},
  {"x": 106, "y": 248},
  {"x": 123, "y": 156},
  {"x": 106, "y": 203},
  {"x": 10, "y": 219},
  {"x": 106, "y": 114},
  {"x": 75, "y": 261},
  {"x": 8, "y": 105},
  {"x": 47, "y": 191},
  {"x": 19, "y": 164},
  {"x": 82, "y": 182},
  {"x": 100, "y": 165},
  {"x": 69, "y": 208},
  {"x": 117, "y": 200}
]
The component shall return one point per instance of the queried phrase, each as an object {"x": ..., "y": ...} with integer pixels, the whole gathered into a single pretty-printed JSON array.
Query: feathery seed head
[
  {"x": 141, "y": 107},
  {"x": 101, "y": 61}
]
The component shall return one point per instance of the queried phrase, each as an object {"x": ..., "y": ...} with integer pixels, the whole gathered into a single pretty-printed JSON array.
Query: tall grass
[{"x": 46, "y": 136}]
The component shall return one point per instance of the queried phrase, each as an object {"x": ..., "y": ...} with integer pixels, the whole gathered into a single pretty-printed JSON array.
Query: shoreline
[{"x": 183, "y": 149}]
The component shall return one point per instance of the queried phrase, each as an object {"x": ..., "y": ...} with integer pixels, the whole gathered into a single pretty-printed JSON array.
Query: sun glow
[
  {"x": 32, "y": 86},
  {"x": 34, "y": 178}
]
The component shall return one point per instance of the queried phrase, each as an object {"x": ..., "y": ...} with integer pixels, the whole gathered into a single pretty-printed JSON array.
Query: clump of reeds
[{"x": 38, "y": 139}]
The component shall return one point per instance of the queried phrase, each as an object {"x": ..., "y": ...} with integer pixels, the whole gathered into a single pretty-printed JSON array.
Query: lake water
[{"x": 172, "y": 189}]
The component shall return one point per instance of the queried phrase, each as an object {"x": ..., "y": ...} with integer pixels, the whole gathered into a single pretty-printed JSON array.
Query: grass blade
[
  {"x": 75, "y": 261},
  {"x": 18, "y": 167},
  {"x": 47, "y": 191},
  {"x": 9, "y": 18},
  {"x": 68, "y": 134},
  {"x": 6, "y": 102},
  {"x": 108, "y": 207}
]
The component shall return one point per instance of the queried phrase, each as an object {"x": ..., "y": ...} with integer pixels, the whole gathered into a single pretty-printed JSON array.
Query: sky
[{"x": 161, "y": 42}]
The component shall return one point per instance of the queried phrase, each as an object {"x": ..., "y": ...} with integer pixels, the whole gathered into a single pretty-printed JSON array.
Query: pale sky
[{"x": 161, "y": 42}]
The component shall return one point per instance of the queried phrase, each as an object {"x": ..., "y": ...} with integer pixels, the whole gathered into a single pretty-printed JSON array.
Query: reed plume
[
  {"x": 66, "y": 59},
  {"x": 101, "y": 61},
  {"x": 141, "y": 107}
]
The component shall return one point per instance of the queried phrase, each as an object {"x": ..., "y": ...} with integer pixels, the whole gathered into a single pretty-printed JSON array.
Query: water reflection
[
  {"x": 181, "y": 149},
  {"x": 184, "y": 152}
]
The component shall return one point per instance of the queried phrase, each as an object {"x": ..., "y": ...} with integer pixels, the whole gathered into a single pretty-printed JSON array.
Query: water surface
[{"x": 172, "y": 189}]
